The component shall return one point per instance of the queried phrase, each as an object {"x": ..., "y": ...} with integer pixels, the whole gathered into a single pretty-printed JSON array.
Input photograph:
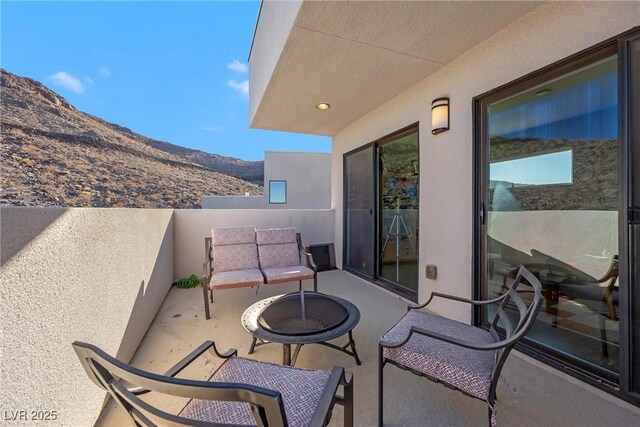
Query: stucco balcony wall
[{"x": 98, "y": 275}]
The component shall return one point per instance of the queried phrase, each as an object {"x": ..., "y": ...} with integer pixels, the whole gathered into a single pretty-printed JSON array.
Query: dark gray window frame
[
  {"x": 615, "y": 45},
  {"x": 285, "y": 191}
]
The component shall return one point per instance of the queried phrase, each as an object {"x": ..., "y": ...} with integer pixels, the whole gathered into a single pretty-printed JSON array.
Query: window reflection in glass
[{"x": 553, "y": 207}]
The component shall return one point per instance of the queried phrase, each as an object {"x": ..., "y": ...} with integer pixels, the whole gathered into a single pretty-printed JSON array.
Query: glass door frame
[
  {"x": 480, "y": 105},
  {"x": 630, "y": 189},
  {"x": 376, "y": 279}
]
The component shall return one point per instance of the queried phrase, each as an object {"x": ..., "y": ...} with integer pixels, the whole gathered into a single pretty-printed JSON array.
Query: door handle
[
  {"x": 483, "y": 213},
  {"x": 633, "y": 215}
]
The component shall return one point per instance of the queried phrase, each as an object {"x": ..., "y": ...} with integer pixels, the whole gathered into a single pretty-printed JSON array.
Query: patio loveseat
[{"x": 237, "y": 257}]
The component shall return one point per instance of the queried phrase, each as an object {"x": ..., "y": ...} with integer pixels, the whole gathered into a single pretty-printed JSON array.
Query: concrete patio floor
[{"x": 529, "y": 394}]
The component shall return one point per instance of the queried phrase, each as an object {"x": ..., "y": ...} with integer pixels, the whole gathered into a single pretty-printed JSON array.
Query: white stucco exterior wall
[
  {"x": 191, "y": 226},
  {"x": 549, "y": 33},
  {"x": 94, "y": 275},
  {"x": 308, "y": 177},
  {"x": 273, "y": 27}
]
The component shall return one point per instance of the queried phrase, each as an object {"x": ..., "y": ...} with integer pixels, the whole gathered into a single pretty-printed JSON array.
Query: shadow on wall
[
  {"x": 20, "y": 235},
  {"x": 149, "y": 298}
]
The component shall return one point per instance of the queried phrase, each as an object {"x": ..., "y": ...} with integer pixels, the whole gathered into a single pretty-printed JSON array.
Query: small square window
[{"x": 278, "y": 192}]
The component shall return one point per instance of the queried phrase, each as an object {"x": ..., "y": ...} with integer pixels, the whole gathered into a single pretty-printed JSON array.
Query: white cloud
[
  {"x": 66, "y": 80},
  {"x": 242, "y": 87},
  {"x": 105, "y": 72},
  {"x": 212, "y": 128},
  {"x": 237, "y": 66},
  {"x": 89, "y": 80}
]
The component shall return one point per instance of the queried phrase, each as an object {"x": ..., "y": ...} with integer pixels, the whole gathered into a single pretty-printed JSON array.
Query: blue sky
[{"x": 171, "y": 71}]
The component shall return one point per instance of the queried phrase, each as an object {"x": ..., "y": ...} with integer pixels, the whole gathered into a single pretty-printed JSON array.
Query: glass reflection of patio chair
[
  {"x": 460, "y": 356},
  {"x": 241, "y": 391},
  {"x": 600, "y": 296},
  {"x": 559, "y": 278}
]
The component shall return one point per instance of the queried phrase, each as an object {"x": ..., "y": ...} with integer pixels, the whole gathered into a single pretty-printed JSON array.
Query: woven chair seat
[
  {"x": 466, "y": 369},
  {"x": 301, "y": 390}
]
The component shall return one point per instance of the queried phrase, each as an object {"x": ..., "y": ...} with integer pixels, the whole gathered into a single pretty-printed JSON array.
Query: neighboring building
[
  {"x": 291, "y": 181},
  {"x": 475, "y": 137}
]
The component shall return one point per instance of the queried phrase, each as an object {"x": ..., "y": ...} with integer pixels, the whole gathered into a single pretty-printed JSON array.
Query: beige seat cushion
[
  {"x": 287, "y": 274},
  {"x": 278, "y": 247},
  {"x": 236, "y": 279}
]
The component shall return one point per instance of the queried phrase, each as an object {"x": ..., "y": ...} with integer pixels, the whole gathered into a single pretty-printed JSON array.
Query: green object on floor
[{"x": 189, "y": 282}]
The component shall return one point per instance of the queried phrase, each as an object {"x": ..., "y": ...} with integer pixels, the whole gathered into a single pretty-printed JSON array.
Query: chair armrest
[
  {"x": 187, "y": 360},
  {"x": 206, "y": 273},
  {"x": 456, "y": 298},
  {"x": 310, "y": 263},
  {"x": 474, "y": 346},
  {"x": 322, "y": 414},
  {"x": 207, "y": 257}
]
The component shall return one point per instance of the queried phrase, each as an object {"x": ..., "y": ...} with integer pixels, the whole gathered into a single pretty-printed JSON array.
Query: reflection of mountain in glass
[{"x": 524, "y": 174}]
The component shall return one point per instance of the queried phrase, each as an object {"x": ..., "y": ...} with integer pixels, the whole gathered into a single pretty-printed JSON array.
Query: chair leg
[
  {"x": 207, "y": 315},
  {"x": 380, "y": 386},
  {"x": 348, "y": 402},
  {"x": 300, "y": 285},
  {"x": 315, "y": 282},
  {"x": 492, "y": 414},
  {"x": 253, "y": 345}
]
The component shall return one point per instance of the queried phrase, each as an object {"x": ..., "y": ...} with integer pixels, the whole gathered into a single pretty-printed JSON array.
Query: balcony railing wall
[{"x": 98, "y": 275}]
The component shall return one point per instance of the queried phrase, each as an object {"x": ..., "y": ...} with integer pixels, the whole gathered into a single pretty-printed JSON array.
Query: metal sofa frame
[{"x": 208, "y": 271}]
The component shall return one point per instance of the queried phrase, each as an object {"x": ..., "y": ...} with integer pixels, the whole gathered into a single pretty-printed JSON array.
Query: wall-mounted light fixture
[{"x": 439, "y": 115}]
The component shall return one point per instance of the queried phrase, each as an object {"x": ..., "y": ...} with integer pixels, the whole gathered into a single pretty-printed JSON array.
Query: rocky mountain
[{"x": 54, "y": 155}]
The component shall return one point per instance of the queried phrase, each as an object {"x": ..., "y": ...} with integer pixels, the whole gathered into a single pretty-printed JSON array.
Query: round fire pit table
[{"x": 300, "y": 318}]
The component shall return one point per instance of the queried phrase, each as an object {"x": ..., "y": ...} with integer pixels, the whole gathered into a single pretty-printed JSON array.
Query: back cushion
[
  {"x": 233, "y": 235},
  {"x": 278, "y": 247},
  {"x": 234, "y": 248}
]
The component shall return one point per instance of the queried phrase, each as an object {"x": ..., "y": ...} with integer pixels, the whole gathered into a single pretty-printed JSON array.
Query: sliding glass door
[
  {"x": 358, "y": 211},
  {"x": 550, "y": 196},
  {"x": 557, "y": 157},
  {"x": 398, "y": 211},
  {"x": 381, "y": 211}
]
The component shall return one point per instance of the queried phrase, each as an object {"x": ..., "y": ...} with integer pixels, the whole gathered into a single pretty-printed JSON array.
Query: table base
[{"x": 290, "y": 360}]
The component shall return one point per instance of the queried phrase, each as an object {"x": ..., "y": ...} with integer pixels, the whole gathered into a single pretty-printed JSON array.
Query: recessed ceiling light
[
  {"x": 323, "y": 106},
  {"x": 543, "y": 92}
]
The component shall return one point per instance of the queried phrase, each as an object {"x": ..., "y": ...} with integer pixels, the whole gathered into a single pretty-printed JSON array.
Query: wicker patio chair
[
  {"x": 460, "y": 356},
  {"x": 240, "y": 392}
]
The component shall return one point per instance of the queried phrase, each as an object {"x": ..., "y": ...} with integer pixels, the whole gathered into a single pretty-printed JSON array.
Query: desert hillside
[{"x": 54, "y": 155}]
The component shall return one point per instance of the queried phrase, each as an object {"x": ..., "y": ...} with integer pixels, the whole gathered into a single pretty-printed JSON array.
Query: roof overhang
[{"x": 356, "y": 55}]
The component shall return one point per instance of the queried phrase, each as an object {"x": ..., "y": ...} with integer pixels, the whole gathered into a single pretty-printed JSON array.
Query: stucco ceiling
[{"x": 358, "y": 55}]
